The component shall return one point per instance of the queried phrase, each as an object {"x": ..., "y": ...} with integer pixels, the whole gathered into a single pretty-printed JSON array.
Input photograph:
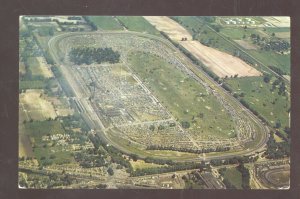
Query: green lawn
[
  {"x": 105, "y": 22},
  {"x": 31, "y": 84},
  {"x": 34, "y": 66},
  {"x": 138, "y": 24},
  {"x": 238, "y": 32},
  {"x": 259, "y": 96},
  {"x": 234, "y": 177},
  {"x": 185, "y": 98},
  {"x": 271, "y": 58}
]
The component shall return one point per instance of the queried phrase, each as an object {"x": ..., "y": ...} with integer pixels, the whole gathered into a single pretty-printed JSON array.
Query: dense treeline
[
  {"x": 90, "y": 55},
  {"x": 273, "y": 43},
  {"x": 245, "y": 176},
  {"x": 234, "y": 160},
  {"x": 115, "y": 154},
  {"x": 277, "y": 70},
  {"x": 90, "y": 23},
  {"x": 198, "y": 151},
  {"x": 277, "y": 150},
  {"x": 165, "y": 169}
]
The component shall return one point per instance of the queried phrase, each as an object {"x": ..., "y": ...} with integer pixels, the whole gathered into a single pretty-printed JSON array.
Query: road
[{"x": 101, "y": 129}]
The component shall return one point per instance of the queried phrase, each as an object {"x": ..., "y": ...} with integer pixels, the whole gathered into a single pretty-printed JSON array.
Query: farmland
[{"x": 36, "y": 107}]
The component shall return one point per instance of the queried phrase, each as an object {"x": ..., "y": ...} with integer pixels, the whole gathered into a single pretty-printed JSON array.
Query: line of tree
[
  {"x": 90, "y": 55},
  {"x": 233, "y": 160},
  {"x": 198, "y": 151},
  {"x": 277, "y": 150},
  {"x": 90, "y": 23},
  {"x": 277, "y": 70},
  {"x": 165, "y": 169},
  {"x": 245, "y": 176},
  {"x": 115, "y": 154}
]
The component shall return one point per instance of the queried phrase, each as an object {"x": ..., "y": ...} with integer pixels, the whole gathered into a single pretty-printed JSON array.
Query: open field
[
  {"x": 169, "y": 26},
  {"x": 37, "y": 84},
  {"x": 45, "y": 69},
  {"x": 278, "y": 21},
  {"x": 46, "y": 150},
  {"x": 38, "y": 66},
  {"x": 141, "y": 164},
  {"x": 138, "y": 24},
  {"x": 105, "y": 22},
  {"x": 183, "y": 97},
  {"x": 221, "y": 63},
  {"x": 246, "y": 45},
  {"x": 268, "y": 58},
  {"x": 258, "y": 95},
  {"x": 36, "y": 106},
  {"x": 234, "y": 177}
]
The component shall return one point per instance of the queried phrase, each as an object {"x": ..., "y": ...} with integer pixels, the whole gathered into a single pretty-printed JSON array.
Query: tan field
[
  {"x": 283, "y": 35},
  {"x": 36, "y": 106},
  {"x": 278, "y": 21},
  {"x": 169, "y": 26},
  {"x": 222, "y": 64},
  {"x": 45, "y": 70},
  {"x": 141, "y": 164}
]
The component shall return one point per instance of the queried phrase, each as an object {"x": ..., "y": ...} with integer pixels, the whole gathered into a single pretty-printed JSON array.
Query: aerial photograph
[{"x": 154, "y": 102}]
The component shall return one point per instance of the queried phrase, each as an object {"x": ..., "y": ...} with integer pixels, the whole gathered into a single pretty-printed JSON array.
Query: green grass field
[
  {"x": 31, "y": 84},
  {"x": 268, "y": 58},
  {"x": 105, "y": 22},
  {"x": 34, "y": 66},
  {"x": 258, "y": 95},
  {"x": 185, "y": 98},
  {"x": 238, "y": 32},
  {"x": 138, "y": 24},
  {"x": 234, "y": 177}
]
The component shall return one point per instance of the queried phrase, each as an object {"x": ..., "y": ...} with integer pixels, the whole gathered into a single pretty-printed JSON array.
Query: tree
[
  {"x": 267, "y": 78},
  {"x": 110, "y": 171},
  {"x": 185, "y": 124}
]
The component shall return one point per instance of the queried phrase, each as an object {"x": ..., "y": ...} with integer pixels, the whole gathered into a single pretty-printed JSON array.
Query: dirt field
[
  {"x": 246, "y": 45},
  {"x": 35, "y": 106},
  {"x": 45, "y": 70},
  {"x": 169, "y": 26},
  {"x": 222, "y": 64},
  {"x": 278, "y": 21},
  {"x": 283, "y": 35}
]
